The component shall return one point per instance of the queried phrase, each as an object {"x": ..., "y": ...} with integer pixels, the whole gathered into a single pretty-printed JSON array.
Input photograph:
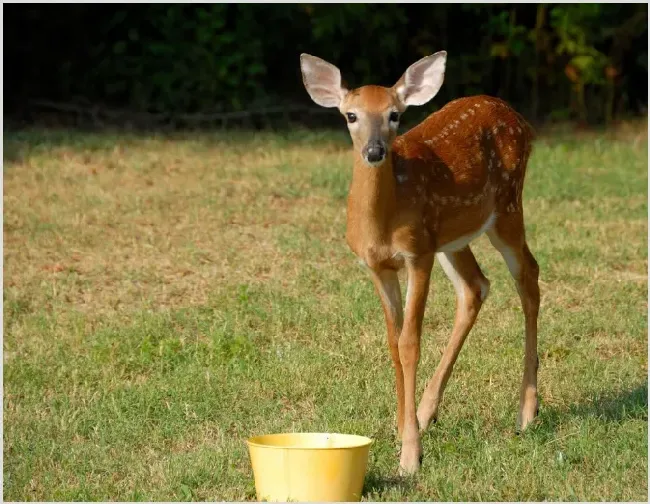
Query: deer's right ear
[{"x": 322, "y": 81}]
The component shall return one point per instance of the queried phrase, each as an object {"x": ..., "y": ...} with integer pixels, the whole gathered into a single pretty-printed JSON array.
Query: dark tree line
[{"x": 587, "y": 62}]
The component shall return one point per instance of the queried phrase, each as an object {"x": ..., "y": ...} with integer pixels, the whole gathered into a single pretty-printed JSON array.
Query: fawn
[{"x": 428, "y": 193}]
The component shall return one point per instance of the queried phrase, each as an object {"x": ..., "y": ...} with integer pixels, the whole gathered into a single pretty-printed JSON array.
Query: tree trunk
[{"x": 541, "y": 14}]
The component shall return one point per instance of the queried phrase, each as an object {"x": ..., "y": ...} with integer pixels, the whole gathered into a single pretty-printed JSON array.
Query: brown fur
[
  {"x": 442, "y": 181},
  {"x": 457, "y": 174},
  {"x": 459, "y": 165}
]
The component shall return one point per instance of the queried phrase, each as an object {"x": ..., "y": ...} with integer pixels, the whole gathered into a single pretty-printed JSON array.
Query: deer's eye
[
  {"x": 351, "y": 117},
  {"x": 393, "y": 117}
]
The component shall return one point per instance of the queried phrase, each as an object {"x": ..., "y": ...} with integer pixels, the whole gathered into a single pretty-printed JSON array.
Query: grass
[{"x": 166, "y": 297}]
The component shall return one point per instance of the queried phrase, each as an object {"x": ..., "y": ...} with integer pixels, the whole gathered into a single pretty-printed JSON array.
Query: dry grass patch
[{"x": 167, "y": 297}]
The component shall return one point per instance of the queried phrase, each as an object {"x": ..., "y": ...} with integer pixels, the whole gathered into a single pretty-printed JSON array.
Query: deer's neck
[{"x": 371, "y": 202}]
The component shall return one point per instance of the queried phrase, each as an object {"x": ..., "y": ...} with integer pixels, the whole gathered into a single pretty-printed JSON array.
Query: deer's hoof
[{"x": 411, "y": 459}]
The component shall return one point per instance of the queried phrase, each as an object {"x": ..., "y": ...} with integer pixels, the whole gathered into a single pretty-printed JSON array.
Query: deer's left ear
[{"x": 422, "y": 80}]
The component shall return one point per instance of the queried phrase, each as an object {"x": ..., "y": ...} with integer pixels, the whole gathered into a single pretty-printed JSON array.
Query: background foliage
[{"x": 581, "y": 61}]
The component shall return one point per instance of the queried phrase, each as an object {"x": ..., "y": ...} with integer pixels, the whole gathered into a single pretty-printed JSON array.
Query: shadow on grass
[
  {"x": 610, "y": 407},
  {"x": 631, "y": 404},
  {"x": 376, "y": 483}
]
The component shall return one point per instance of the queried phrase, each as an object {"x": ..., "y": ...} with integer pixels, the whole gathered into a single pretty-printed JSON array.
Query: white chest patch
[{"x": 463, "y": 241}]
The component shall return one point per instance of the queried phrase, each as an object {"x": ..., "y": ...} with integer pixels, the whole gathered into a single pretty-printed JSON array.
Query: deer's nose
[{"x": 375, "y": 151}]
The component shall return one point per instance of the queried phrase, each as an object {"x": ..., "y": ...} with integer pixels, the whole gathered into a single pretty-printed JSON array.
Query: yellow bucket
[{"x": 309, "y": 467}]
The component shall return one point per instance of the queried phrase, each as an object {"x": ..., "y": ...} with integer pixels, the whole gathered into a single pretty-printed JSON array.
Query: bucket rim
[{"x": 361, "y": 441}]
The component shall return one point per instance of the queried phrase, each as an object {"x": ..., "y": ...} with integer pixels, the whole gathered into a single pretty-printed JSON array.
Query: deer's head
[{"x": 373, "y": 112}]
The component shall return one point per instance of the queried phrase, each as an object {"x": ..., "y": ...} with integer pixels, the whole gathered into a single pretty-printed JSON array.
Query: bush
[{"x": 587, "y": 61}]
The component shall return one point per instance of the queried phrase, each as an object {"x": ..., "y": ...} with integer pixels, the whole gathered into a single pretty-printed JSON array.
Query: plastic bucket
[{"x": 309, "y": 466}]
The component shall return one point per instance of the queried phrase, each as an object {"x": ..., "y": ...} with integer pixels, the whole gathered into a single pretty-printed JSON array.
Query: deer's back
[
  {"x": 466, "y": 144},
  {"x": 463, "y": 163}
]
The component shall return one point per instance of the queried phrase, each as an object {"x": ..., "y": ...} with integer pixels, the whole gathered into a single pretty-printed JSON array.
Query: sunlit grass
[{"x": 167, "y": 297}]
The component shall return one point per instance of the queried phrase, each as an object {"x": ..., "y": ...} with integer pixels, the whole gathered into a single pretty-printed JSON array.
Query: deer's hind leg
[
  {"x": 508, "y": 237},
  {"x": 471, "y": 290}
]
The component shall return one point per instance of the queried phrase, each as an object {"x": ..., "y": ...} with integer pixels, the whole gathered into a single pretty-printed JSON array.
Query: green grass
[{"x": 167, "y": 297}]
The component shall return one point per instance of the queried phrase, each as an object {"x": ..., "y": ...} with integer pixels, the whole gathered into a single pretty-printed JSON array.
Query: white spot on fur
[{"x": 402, "y": 178}]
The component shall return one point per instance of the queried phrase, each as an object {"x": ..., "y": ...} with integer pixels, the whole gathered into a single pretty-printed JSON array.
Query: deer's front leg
[
  {"x": 419, "y": 273},
  {"x": 387, "y": 286}
]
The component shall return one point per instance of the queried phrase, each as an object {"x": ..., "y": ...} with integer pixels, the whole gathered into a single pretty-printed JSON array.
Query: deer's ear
[
  {"x": 422, "y": 80},
  {"x": 322, "y": 81}
]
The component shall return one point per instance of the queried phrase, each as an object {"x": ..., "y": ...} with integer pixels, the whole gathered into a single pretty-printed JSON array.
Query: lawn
[{"x": 166, "y": 297}]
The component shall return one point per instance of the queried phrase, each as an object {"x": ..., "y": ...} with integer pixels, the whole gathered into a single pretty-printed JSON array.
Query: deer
[{"x": 426, "y": 195}]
